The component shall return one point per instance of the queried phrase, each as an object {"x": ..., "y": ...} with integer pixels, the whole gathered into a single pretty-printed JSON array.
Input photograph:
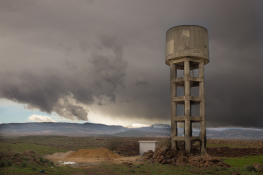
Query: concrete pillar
[
  {"x": 202, "y": 107},
  {"x": 187, "y": 105},
  {"x": 173, "y": 89}
]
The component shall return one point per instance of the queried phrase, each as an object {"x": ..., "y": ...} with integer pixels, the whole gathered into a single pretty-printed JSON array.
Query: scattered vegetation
[
  {"x": 14, "y": 161},
  {"x": 243, "y": 161}
]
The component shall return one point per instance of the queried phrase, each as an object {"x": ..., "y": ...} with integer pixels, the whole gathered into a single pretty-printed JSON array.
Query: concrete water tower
[{"x": 187, "y": 50}]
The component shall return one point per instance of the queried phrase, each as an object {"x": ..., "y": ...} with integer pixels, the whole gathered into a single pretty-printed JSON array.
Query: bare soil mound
[{"x": 94, "y": 153}]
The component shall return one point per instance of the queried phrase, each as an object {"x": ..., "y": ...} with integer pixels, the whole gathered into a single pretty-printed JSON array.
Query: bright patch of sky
[{"x": 11, "y": 112}]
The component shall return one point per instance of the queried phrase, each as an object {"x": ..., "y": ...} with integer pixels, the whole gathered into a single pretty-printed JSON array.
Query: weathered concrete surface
[
  {"x": 186, "y": 49},
  {"x": 187, "y": 40}
]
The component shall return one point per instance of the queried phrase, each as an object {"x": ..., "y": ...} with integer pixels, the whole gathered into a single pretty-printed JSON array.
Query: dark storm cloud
[
  {"x": 141, "y": 82},
  {"x": 110, "y": 55}
]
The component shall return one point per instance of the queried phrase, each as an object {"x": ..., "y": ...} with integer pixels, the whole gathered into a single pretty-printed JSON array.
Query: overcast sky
[{"x": 103, "y": 61}]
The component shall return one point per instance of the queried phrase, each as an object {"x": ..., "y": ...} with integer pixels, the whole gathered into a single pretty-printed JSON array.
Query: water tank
[{"x": 186, "y": 41}]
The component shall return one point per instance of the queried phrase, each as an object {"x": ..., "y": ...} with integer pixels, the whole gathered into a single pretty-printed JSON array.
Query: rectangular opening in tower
[
  {"x": 196, "y": 146},
  {"x": 196, "y": 129},
  {"x": 180, "y": 109},
  {"x": 180, "y": 129},
  {"x": 181, "y": 145},
  {"x": 195, "y": 109},
  {"x": 179, "y": 69},
  {"x": 195, "y": 91},
  {"x": 194, "y": 69},
  {"x": 180, "y": 91}
]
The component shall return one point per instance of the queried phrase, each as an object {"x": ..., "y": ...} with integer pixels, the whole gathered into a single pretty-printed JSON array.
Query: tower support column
[{"x": 173, "y": 88}]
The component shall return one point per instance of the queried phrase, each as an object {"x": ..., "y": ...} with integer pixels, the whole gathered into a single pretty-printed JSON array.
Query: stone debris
[
  {"x": 165, "y": 155},
  {"x": 258, "y": 167},
  {"x": 237, "y": 173}
]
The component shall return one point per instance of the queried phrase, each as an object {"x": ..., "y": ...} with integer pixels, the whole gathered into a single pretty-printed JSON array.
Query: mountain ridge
[{"x": 98, "y": 130}]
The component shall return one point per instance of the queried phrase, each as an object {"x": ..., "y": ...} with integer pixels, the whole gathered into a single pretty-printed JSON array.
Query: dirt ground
[{"x": 86, "y": 162}]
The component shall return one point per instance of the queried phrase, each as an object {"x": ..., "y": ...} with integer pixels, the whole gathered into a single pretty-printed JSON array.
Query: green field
[
  {"x": 39, "y": 149},
  {"x": 229, "y": 145},
  {"x": 243, "y": 161},
  {"x": 153, "y": 169}
]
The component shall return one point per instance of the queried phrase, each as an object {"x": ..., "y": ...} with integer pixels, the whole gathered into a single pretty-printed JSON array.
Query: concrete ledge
[
  {"x": 191, "y": 118},
  {"x": 177, "y": 138}
]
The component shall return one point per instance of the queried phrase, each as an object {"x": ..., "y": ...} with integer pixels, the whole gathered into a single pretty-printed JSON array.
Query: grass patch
[
  {"x": 39, "y": 149},
  {"x": 243, "y": 161},
  {"x": 228, "y": 145},
  {"x": 35, "y": 170}
]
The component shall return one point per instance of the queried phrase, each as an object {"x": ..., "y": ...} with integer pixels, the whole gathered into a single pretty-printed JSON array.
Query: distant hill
[
  {"x": 139, "y": 133},
  {"x": 50, "y": 128},
  {"x": 101, "y": 130}
]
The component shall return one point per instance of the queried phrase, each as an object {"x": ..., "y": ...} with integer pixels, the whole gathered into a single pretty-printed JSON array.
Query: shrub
[
  {"x": 217, "y": 169},
  {"x": 16, "y": 154},
  {"x": 41, "y": 159},
  {"x": 26, "y": 158},
  {"x": 2, "y": 163},
  {"x": 34, "y": 168},
  {"x": 224, "y": 168},
  {"x": 52, "y": 163},
  {"x": 3, "y": 152},
  {"x": 24, "y": 164},
  {"x": 250, "y": 168},
  {"x": 9, "y": 163}
]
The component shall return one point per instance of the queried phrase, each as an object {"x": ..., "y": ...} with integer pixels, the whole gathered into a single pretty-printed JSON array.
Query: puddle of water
[{"x": 67, "y": 163}]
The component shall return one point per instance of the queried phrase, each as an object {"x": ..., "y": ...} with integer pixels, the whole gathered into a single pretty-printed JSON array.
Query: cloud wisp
[{"x": 40, "y": 118}]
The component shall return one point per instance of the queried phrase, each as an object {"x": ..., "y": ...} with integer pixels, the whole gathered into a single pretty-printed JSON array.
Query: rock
[
  {"x": 258, "y": 167},
  {"x": 182, "y": 160},
  {"x": 236, "y": 173},
  {"x": 26, "y": 152},
  {"x": 208, "y": 160},
  {"x": 164, "y": 148},
  {"x": 141, "y": 163},
  {"x": 169, "y": 161},
  {"x": 150, "y": 151},
  {"x": 220, "y": 164},
  {"x": 126, "y": 163},
  {"x": 173, "y": 163},
  {"x": 218, "y": 150},
  {"x": 203, "y": 162},
  {"x": 181, "y": 153},
  {"x": 216, "y": 159},
  {"x": 163, "y": 162},
  {"x": 208, "y": 164},
  {"x": 186, "y": 152},
  {"x": 150, "y": 155},
  {"x": 144, "y": 154},
  {"x": 195, "y": 163},
  {"x": 227, "y": 165},
  {"x": 32, "y": 152}
]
